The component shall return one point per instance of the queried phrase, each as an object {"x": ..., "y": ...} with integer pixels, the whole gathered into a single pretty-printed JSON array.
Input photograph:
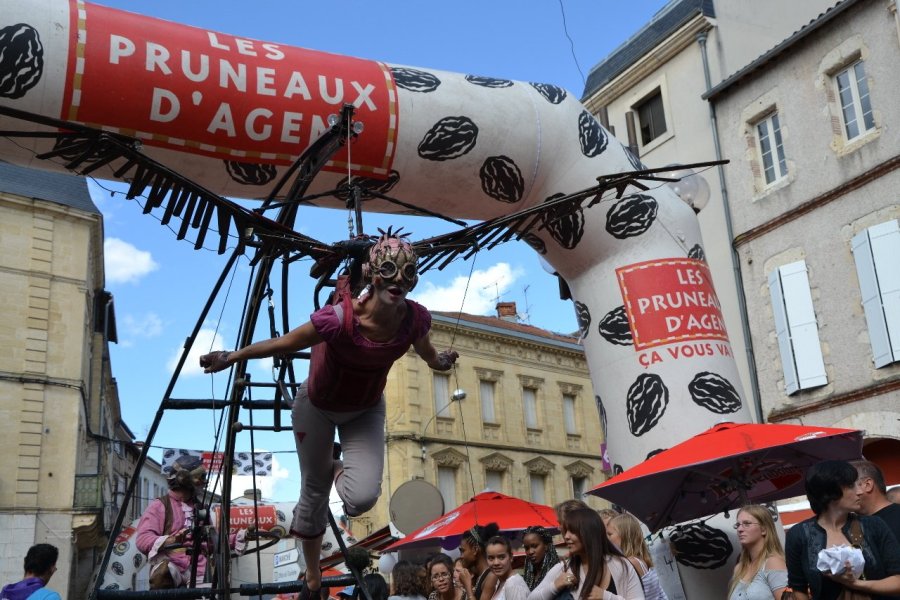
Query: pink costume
[
  {"x": 348, "y": 372},
  {"x": 346, "y": 382},
  {"x": 151, "y": 537}
]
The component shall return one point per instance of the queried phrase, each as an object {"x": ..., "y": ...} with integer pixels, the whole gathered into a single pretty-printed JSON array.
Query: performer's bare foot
[
  {"x": 314, "y": 582},
  {"x": 311, "y": 550}
]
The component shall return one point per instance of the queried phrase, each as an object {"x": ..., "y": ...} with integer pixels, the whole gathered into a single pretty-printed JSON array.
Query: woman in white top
[
  {"x": 509, "y": 585},
  {"x": 625, "y": 532},
  {"x": 595, "y": 569},
  {"x": 760, "y": 573}
]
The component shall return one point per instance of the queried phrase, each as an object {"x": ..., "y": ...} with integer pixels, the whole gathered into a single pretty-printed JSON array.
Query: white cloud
[
  {"x": 125, "y": 263},
  {"x": 207, "y": 340},
  {"x": 480, "y": 298},
  {"x": 147, "y": 326}
]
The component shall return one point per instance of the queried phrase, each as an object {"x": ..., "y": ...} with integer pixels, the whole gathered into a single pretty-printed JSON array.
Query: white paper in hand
[{"x": 832, "y": 560}]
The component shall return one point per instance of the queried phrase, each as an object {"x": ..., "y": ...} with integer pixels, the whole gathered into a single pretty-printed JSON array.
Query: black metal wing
[
  {"x": 85, "y": 150},
  {"x": 439, "y": 251}
]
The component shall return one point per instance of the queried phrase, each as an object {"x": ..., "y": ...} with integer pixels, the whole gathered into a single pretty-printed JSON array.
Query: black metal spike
[{"x": 204, "y": 225}]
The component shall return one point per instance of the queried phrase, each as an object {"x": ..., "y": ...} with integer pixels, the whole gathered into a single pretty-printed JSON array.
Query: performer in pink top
[{"x": 362, "y": 338}]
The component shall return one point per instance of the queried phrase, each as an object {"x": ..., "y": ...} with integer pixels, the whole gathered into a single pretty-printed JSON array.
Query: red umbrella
[
  {"x": 508, "y": 512},
  {"x": 725, "y": 467}
]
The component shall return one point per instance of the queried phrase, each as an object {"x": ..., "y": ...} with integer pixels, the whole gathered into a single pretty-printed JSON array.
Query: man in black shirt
[{"x": 873, "y": 495}]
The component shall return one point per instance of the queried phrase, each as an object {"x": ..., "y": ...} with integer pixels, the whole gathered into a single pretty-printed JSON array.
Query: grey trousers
[{"x": 361, "y": 435}]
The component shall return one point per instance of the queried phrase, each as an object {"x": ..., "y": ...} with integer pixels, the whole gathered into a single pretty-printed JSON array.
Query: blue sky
[{"x": 160, "y": 285}]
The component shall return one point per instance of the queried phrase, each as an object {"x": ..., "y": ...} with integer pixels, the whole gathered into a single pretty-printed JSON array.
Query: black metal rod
[{"x": 132, "y": 483}]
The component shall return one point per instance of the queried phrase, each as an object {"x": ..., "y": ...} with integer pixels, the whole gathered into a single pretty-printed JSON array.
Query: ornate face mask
[{"x": 393, "y": 259}]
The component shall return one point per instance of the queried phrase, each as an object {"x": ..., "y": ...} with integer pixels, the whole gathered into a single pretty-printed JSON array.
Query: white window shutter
[
  {"x": 871, "y": 298},
  {"x": 783, "y": 334},
  {"x": 801, "y": 318},
  {"x": 885, "y": 239}
]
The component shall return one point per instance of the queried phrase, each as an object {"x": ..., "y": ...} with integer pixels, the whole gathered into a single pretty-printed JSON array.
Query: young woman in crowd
[
  {"x": 508, "y": 585},
  {"x": 625, "y": 532},
  {"x": 472, "y": 554},
  {"x": 760, "y": 573},
  {"x": 833, "y": 496},
  {"x": 540, "y": 554},
  {"x": 442, "y": 580},
  {"x": 406, "y": 582},
  {"x": 594, "y": 569}
]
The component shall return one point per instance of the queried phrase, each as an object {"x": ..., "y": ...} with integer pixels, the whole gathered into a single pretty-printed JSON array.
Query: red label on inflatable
[
  {"x": 181, "y": 87},
  {"x": 244, "y": 517},
  {"x": 670, "y": 300}
]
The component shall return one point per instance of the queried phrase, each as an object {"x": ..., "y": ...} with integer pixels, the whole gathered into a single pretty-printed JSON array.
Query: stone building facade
[
  {"x": 648, "y": 92},
  {"x": 813, "y": 183},
  {"x": 528, "y": 426},
  {"x": 66, "y": 451}
]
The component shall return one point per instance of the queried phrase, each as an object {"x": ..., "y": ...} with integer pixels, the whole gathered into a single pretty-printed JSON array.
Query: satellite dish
[{"x": 414, "y": 504}]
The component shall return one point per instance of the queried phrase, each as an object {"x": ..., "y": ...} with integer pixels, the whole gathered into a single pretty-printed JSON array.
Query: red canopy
[
  {"x": 725, "y": 467},
  {"x": 508, "y": 512}
]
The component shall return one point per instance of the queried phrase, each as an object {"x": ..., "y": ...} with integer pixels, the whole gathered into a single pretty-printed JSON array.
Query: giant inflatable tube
[{"x": 231, "y": 113}]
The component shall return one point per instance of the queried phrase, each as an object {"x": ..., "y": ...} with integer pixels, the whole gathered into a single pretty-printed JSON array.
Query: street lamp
[
  {"x": 690, "y": 186},
  {"x": 458, "y": 395}
]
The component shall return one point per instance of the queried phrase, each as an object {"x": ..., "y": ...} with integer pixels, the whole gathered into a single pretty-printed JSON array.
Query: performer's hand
[
  {"x": 215, "y": 361},
  {"x": 446, "y": 359},
  {"x": 177, "y": 538}
]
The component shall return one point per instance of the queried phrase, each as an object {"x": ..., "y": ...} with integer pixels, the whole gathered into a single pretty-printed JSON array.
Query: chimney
[
  {"x": 506, "y": 311},
  {"x": 251, "y": 494}
]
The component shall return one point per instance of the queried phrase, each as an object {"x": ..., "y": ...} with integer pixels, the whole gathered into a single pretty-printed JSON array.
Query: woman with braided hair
[
  {"x": 472, "y": 553},
  {"x": 354, "y": 343},
  {"x": 540, "y": 554}
]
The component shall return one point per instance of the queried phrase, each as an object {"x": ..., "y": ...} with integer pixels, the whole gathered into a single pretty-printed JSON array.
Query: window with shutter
[
  {"x": 441, "y": 394},
  {"x": 487, "y": 402},
  {"x": 875, "y": 252},
  {"x": 447, "y": 486},
  {"x": 796, "y": 328}
]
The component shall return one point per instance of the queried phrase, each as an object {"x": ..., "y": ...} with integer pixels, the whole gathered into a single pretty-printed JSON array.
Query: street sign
[
  {"x": 288, "y": 572},
  {"x": 289, "y": 556}
]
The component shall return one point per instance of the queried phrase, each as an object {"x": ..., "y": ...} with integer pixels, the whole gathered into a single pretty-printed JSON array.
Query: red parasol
[
  {"x": 508, "y": 512},
  {"x": 725, "y": 467}
]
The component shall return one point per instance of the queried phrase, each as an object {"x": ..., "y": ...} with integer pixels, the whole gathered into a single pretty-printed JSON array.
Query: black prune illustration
[
  {"x": 366, "y": 185},
  {"x": 501, "y": 179},
  {"x": 449, "y": 138},
  {"x": 535, "y": 242},
  {"x": 566, "y": 228},
  {"x": 489, "y": 82},
  {"x": 653, "y": 453},
  {"x": 614, "y": 327},
  {"x": 700, "y": 546},
  {"x": 714, "y": 393},
  {"x": 646, "y": 402},
  {"x": 250, "y": 173},
  {"x": 697, "y": 253},
  {"x": 552, "y": 93},
  {"x": 583, "y": 316},
  {"x": 21, "y": 59},
  {"x": 631, "y": 216},
  {"x": 415, "y": 80},
  {"x": 591, "y": 135},
  {"x": 602, "y": 410}
]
